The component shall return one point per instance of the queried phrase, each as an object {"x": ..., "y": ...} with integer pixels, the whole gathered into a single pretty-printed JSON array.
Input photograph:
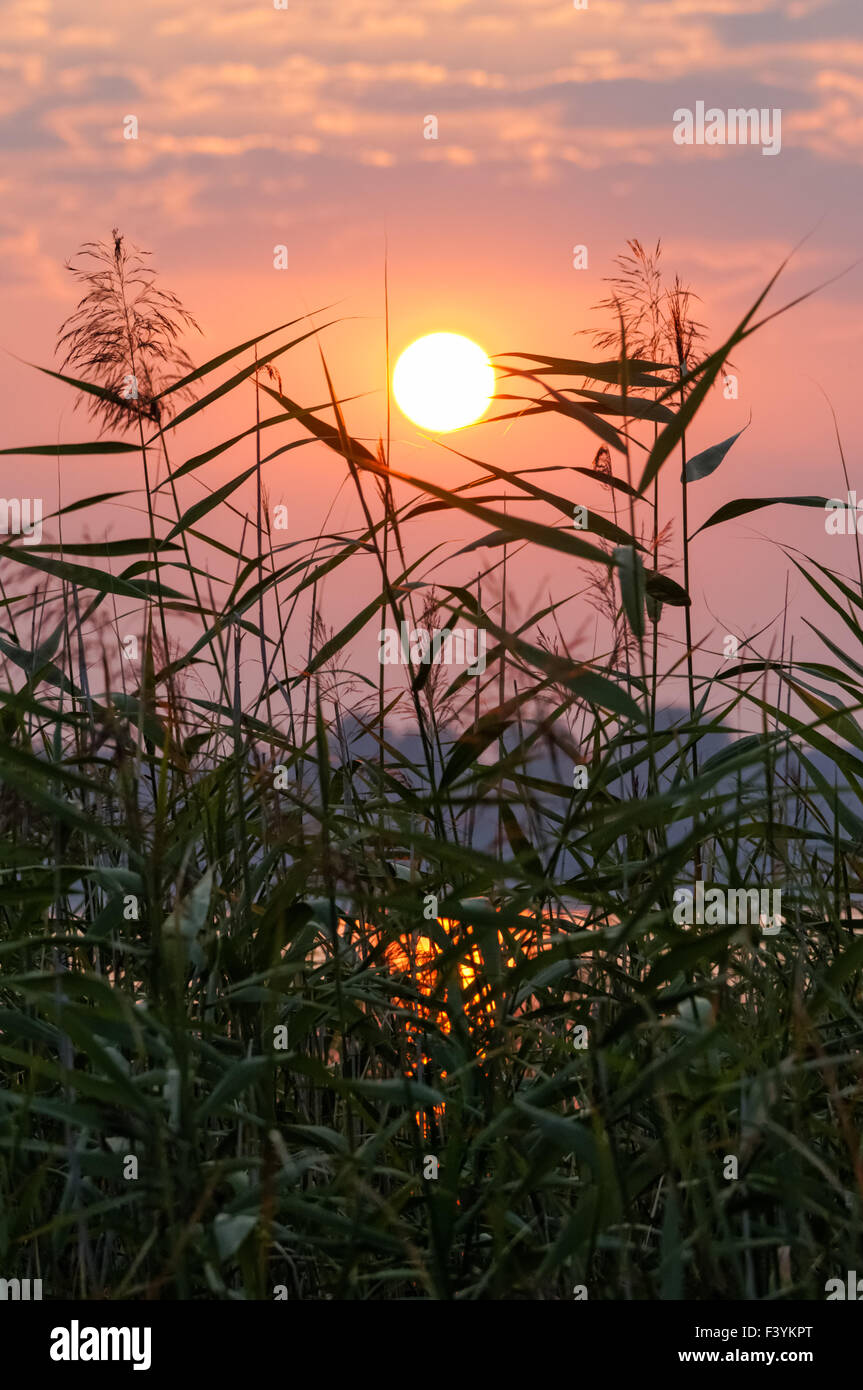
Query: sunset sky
[{"x": 304, "y": 127}]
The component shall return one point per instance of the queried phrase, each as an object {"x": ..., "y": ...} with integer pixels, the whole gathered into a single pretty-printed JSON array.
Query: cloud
[
  {"x": 24, "y": 265},
  {"x": 530, "y": 92}
]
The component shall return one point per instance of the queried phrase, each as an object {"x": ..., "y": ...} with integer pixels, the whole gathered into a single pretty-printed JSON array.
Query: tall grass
[{"x": 219, "y": 955}]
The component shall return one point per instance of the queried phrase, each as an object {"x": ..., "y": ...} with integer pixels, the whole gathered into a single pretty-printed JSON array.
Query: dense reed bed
[{"x": 276, "y": 943}]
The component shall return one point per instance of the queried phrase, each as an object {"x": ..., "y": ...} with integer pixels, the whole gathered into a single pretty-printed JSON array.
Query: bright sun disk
[{"x": 443, "y": 382}]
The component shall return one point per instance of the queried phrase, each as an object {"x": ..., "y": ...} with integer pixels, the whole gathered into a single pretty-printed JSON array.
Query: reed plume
[{"x": 124, "y": 335}]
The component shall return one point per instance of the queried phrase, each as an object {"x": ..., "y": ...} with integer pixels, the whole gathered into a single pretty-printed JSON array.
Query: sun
[{"x": 443, "y": 382}]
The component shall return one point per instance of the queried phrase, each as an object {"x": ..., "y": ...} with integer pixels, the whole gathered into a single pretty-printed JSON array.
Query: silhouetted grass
[{"x": 192, "y": 865}]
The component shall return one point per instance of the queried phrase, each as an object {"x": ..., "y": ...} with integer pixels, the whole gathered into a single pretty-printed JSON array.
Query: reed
[{"x": 263, "y": 953}]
